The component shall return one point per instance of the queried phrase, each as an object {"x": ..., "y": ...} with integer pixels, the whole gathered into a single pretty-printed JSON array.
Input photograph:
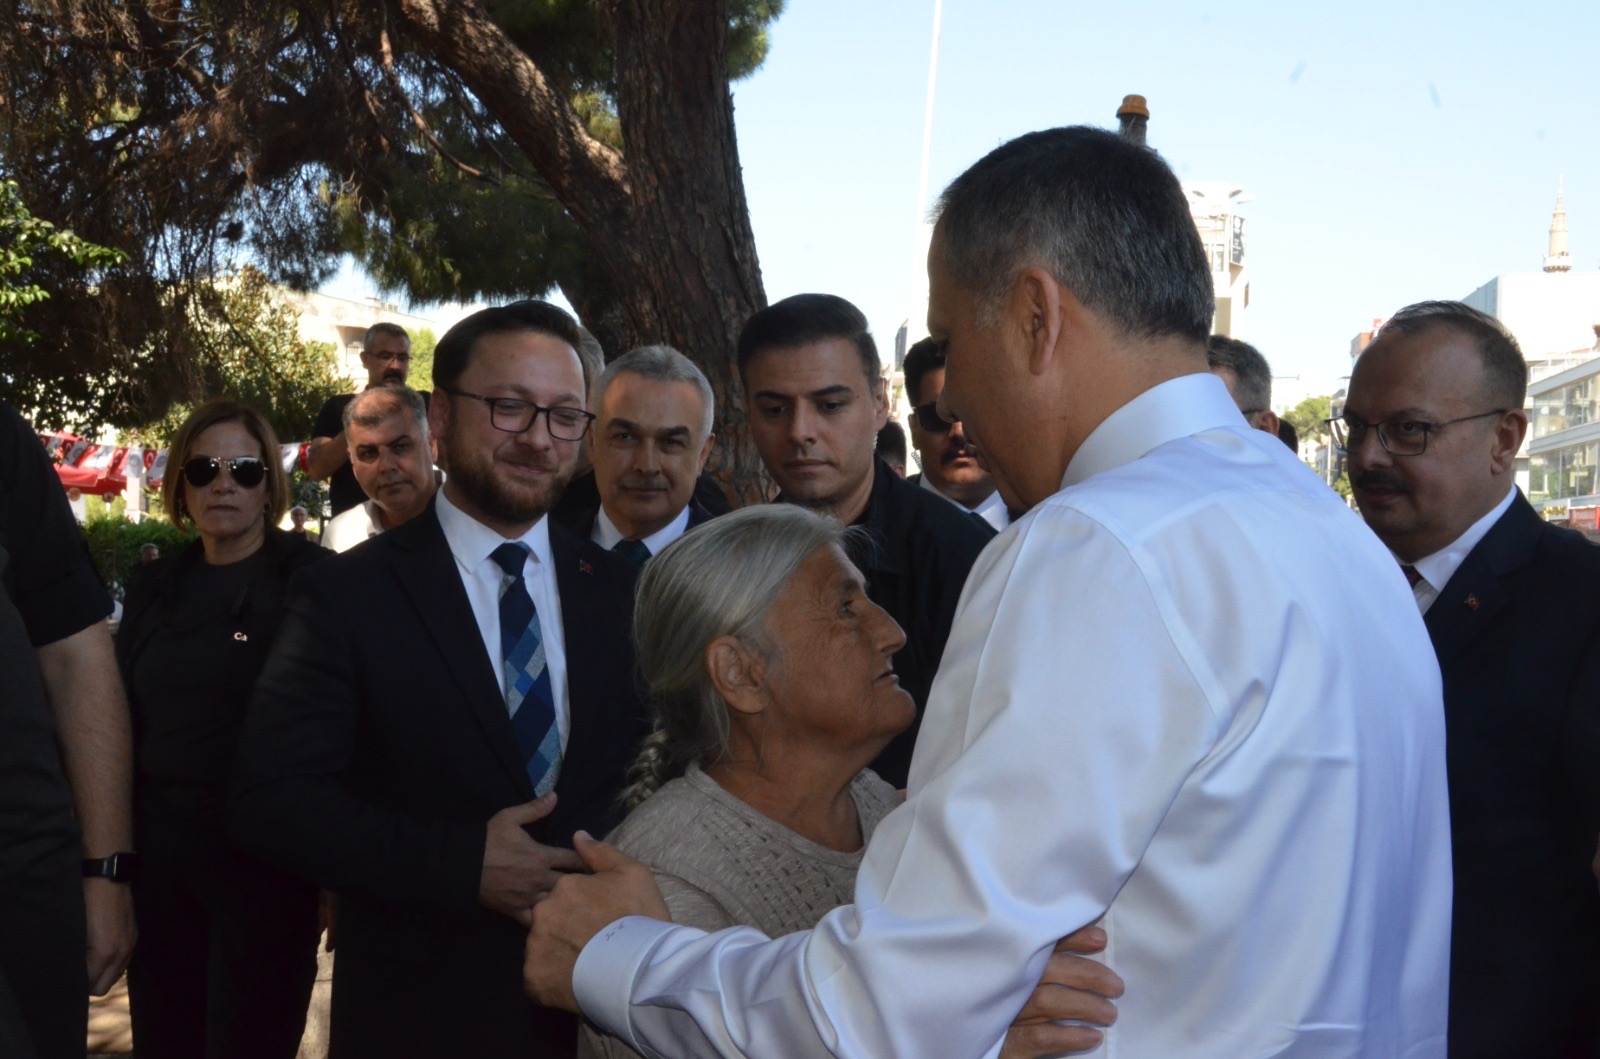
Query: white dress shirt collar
[
  {"x": 471, "y": 542},
  {"x": 1167, "y": 411},
  {"x": 1437, "y": 569},
  {"x": 992, "y": 510},
  {"x": 607, "y": 535}
]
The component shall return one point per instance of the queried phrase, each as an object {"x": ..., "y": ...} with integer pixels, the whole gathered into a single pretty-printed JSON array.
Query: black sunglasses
[
  {"x": 247, "y": 472},
  {"x": 929, "y": 420}
]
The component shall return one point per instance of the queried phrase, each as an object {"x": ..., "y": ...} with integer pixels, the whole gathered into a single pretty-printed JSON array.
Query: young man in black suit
[
  {"x": 446, "y": 705},
  {"x": 1432, "y": 424},
  {"x": 815, "y": 396}
]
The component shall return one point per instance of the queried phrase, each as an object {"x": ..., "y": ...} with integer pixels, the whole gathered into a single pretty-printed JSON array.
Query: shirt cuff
[{"x": 603, "y": 977}]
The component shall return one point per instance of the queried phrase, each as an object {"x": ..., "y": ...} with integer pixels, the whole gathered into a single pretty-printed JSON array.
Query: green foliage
[
  {"x": 27, "y": 244},
  {"x": 1310, "y": 417},
  {"x": 114, "y": 544},
  {"x": 309, "y": 494},
  {"x": 420, "y": 375},
  {"x": 244, "y": 343}
]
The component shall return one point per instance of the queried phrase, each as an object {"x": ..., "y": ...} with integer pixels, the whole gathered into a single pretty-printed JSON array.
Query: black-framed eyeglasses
[
  {"x": 1399, "y": 437},
  {"x": 928, "y": 418},
  {"x": 247, "y": 472},
  {"x": 514, "y": 415}
]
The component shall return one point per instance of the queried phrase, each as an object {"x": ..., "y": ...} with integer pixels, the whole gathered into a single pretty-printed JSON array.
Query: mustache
[
  {"x": 1379, "y": 480},
  {"x": 954, "y": 451},
  {"x": 394, "y": 375}
]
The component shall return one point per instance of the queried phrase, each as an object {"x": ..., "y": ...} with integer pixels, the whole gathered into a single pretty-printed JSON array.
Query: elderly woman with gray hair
[{"x": 751, "y": 801}]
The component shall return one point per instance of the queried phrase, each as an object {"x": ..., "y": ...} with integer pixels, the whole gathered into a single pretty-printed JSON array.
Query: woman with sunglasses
[{"x": 227, "y": 944}]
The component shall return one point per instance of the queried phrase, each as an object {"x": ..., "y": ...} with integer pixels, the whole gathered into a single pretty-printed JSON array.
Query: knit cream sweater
[{"x": 720, "y": 863}]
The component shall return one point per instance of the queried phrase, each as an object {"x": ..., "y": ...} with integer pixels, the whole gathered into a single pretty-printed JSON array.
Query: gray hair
[
  {"x": 1505, "y": 371},
  {"x": 394, "y": 398},
  {"x": 1107, "y": 218},
  {"x": 384, "y": 327},
  {"x": 1249, "y": 367},
  {"x": 717, "y": 580},
  {"x": 659, "y": 364}
]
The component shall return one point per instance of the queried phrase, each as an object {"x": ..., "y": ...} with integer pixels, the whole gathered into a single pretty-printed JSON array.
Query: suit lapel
[
  {"x": 576, "y": 581},
  {"x": 1475, "y": 594},
  {"x": 426, "y": 571},
  {"x": 698, "y": 513}
]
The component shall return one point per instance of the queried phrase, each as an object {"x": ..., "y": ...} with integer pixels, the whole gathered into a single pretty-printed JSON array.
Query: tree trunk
[
  {"x": 690, "y": 252},
  {"x": 668, "y": 228}
]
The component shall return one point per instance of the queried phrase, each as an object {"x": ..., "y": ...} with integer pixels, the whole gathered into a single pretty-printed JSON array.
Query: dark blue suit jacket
[{"x": 1517, "y": 632}]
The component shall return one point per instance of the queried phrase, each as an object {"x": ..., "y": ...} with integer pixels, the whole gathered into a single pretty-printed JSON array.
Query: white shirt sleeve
[{"x": 1034, "y": 796}]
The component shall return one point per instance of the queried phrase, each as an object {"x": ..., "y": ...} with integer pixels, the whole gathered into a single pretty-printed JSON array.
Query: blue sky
[{"x": 1395, "y": 152}]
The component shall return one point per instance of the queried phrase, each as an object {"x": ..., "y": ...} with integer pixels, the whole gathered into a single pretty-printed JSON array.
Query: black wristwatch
[{"x": 119, "y": 867}]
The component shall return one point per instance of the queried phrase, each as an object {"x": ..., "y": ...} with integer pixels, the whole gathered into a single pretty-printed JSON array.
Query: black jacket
[
  {"x": 254, "y": 618},
  {"x": 1517, "y": 633},
  {"x": 378, "y": 746},
  {"x": 919, "y": 550}
]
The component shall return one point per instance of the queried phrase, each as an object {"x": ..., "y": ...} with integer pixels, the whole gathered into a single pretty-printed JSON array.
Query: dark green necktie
[{"x": 632, "y": 550}]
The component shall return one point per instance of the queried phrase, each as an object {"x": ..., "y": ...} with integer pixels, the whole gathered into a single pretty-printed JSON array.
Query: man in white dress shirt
[
  {"x": 1185, "y": 696},
  {"x": 386, "y": 432},
  {"x": 1245, "y": 372},
  {"x": 950, "y": 467}
]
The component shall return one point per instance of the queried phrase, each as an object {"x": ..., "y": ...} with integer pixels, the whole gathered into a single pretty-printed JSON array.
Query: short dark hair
[
  {"x": 802, "y": 319},
  {"x": 208, "y": 415},
  {"x": 454, "y": 351},
  {"x": 891, "y": 446},
  {"x": 921, "y": 358},
  {"x": 384, "y": 327},
  {"x": 1505, "y": 371},
  {"x": 1249, "y": 367},
  {"x": 1107, "y": 218}
]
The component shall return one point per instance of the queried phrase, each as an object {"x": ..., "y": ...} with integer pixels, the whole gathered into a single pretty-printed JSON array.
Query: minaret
[
  {"x": 1133, "y": 117},
  {"x": 1559, "y": 260}
]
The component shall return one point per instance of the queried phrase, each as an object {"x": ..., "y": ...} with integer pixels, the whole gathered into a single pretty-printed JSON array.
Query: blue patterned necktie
[
  {"x": 528, "y": 695},
  {"x": 635, "y": 551}
]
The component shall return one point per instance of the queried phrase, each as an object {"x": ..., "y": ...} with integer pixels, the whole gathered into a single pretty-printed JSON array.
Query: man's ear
[
  {"x": 1509, "y": 431},
  {"x": 1267, "y": 420},
  {"x": 1037, "y": 304},
  {"x": 880, "y": 401},
  {"x": 738, "y": 674}
]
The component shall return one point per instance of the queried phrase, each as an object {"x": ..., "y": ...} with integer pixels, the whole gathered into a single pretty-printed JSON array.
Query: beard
[{"x": 506, "y": 501}]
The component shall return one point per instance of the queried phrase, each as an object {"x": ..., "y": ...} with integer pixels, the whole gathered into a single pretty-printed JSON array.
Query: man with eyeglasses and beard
[
  {"x": 1432, "y": 426},
  {"x": 950, "y": 466},
  {"x": 446, "y": 705}
]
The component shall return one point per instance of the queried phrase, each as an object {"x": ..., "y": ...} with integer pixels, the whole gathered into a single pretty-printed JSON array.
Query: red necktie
[{"x": 1412, "y": 577}]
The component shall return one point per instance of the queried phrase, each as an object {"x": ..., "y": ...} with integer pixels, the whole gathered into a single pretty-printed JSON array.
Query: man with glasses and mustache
[
  {"x": 950, "y": 466},
  {"x": 1432, "y": 426},
  {"x": 446, "y": 706},
  {"x": 386, "y": 354}
]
